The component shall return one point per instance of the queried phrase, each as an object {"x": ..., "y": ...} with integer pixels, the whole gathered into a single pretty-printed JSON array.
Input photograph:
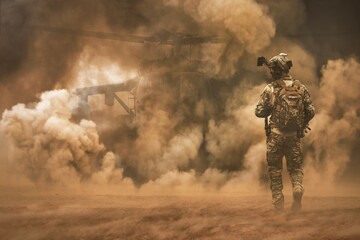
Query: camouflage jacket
[{"x": 264, "y": 107}]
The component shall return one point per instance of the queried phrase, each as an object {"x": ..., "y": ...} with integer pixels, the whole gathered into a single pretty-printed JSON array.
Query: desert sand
[{"x": 33, "y": 213}]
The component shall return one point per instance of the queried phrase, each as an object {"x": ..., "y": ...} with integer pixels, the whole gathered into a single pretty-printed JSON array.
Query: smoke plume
[
  {"x": 51, "y": 148},
  {"x": 247, "y": 24},
  {"x": 192, "y": 132},
  {"x": 336, "y": 125}
]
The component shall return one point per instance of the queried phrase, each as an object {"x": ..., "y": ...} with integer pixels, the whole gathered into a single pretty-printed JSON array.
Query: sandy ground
[{"x": 27, "y": 213}]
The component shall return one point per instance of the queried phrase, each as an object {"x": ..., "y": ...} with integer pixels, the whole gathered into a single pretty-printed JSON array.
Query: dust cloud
[
  {"x": 337, "y": 122},
  {"x": 246, "y": 21},
  {"x": 192, "y": 164},
  {"x": 50, "y": 148},
  {"x": 196, "y": 142}
]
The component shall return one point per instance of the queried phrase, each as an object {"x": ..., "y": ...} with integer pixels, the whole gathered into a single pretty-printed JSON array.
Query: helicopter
[{"x": 177, "y": 72}]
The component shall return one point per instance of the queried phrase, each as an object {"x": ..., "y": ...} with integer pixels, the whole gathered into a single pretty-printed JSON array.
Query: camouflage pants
[{"x": 279, "y": 146}]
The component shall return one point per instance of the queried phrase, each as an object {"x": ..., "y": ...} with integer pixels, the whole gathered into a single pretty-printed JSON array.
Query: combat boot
[
  {"x": 279, "y": 204},
  {"x": 297, "y": 194}
]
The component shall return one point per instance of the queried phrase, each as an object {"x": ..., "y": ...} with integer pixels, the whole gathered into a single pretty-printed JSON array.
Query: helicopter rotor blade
[
  {"x": 170, "y": 39},
  {"x": 101, "y": 35},
  {"x": 194, "y": 40}
]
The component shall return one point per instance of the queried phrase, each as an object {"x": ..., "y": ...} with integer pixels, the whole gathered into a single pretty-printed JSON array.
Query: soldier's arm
[
  {"x": 263, "y": 107},
  {"x": 308, "y": 106}
]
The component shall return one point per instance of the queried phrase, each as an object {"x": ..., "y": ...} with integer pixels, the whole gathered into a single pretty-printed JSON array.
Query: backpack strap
[
  {"x": 297, "y": 84},
  {"x": 281, "y": 83}
]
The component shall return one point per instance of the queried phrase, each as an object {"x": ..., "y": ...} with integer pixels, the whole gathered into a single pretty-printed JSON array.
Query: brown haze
[{"x": 209, "y": 151}]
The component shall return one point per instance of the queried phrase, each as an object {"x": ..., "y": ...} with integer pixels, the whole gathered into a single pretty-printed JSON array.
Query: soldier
[{"x": 289, "y": 106}]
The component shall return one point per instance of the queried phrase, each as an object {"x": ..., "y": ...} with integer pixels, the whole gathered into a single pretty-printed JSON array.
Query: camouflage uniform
[{"x": 283, "y": 143}]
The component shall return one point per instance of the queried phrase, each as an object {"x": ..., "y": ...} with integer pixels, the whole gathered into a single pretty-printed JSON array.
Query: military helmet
[{"x": 280, "y": 61}]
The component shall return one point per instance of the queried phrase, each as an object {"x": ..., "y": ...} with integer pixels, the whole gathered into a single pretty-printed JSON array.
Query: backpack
[{"x": 288, "y": 109}]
